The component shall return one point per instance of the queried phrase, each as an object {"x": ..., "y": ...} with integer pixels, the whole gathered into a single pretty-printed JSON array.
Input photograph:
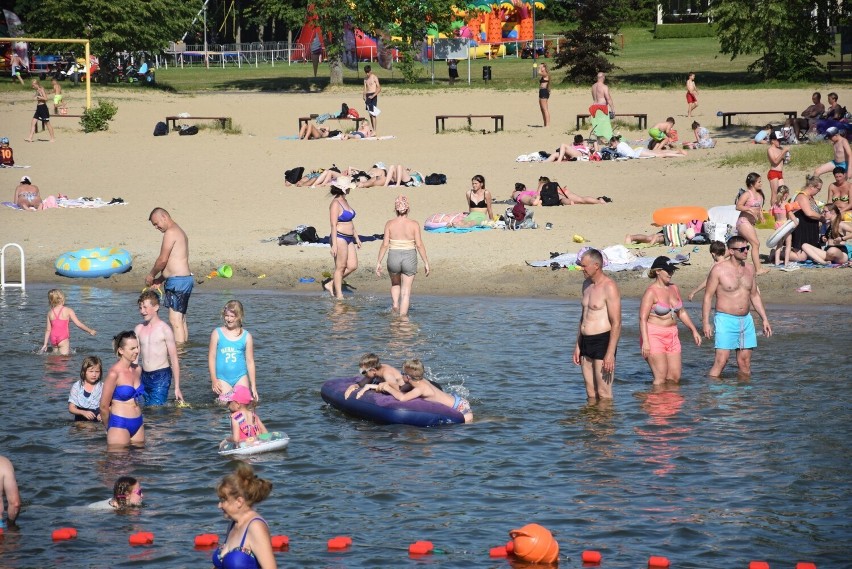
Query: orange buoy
[
  {"x": 658, "y": 561},
  {"x": 421, "y": 548},
  {"x": 206, "y": 540},
  {"x": 499, "y": 551},
  {"x": 339, "y": 542},
  {"x": 141, "y": 538},
  {"x": 280, "y": 542},
  {"x": 682, "y": 214},
  {"x": 758, "y": 565},
  {"x": 535, "y": 544},
  {"x": 590, "y": 556},
  {"x": 62, "y": 534},
  {"x": 805, "y": 565}
]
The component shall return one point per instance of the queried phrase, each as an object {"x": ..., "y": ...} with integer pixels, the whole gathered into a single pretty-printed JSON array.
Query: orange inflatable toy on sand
[
  {"x": 535, "y": 544},
  {"x": 682, "y": 214}
]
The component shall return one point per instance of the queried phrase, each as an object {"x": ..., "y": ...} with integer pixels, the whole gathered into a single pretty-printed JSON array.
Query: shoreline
[{"x": 227, "y": 191}]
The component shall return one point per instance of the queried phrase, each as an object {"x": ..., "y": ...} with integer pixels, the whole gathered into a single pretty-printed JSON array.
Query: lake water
[{"x": 713, "y": 473}]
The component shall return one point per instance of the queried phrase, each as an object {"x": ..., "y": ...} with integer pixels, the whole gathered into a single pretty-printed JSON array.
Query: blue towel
[{"x": 457, "y": 229}]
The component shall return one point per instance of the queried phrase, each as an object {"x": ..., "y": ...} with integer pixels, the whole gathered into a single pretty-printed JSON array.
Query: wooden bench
[
  {"x": 642, "y": 118},
  {"x": 440, "y": 121},
  {"x": 839, "y": 67},
  {"x": 306, "y": 120},
  {"x": 225, "y": 122},
  {"x": 726, "y": 117},
  {"x": 56, "y": 117}
]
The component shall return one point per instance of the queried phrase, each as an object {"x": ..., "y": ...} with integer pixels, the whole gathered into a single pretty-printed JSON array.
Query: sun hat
[
  {"x": 343, "y": 183},
  {"x": 401, "y": 204},
  {"x": 831, "y": 131},
  {"x": 665, "y": 264},
  {"x": 240, "y": 394}
]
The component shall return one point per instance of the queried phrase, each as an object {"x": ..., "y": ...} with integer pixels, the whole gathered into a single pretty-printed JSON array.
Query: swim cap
[{"x": 401, "y": 204}]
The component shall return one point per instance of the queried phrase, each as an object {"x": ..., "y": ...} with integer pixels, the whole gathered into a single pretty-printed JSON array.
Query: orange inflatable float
[
  {"x": 681, "y": 214},
  {"x": 535, "y": 544}
]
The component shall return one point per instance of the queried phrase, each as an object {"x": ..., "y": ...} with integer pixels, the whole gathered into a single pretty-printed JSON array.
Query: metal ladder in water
[{"x": 5, "y": 284}]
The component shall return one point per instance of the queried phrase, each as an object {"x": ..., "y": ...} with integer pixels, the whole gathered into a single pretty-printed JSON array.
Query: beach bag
[
  {"x": 289, "y": 238},
  {"x": 161, "y": 129},
  {"x": 307, "y": 234},
  {"x": 344, "y": 111},
  {"x": 294, "y": 175},
  {"x": 550, "y": 194},
  {"x": 353, "y": 114},
  {"x": 186, "y": 130},
  {"x": 607, "y": 154},
  {"x": 434, "y": 179},
  {"x": 674, "y": 234},
  {"x": 718, "y": 231}
]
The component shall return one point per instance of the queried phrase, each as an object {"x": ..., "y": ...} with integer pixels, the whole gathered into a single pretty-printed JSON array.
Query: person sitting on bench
[{"x": 810, "y": 116}]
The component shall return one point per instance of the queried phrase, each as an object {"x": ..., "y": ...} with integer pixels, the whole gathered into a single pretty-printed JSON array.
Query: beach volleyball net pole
[{"x": 54, "y": 40}]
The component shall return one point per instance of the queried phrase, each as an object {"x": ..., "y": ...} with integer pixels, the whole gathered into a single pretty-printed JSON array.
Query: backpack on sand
[
  {"x": 550, "y": 194},
  {"x": 162, "y": 129}
]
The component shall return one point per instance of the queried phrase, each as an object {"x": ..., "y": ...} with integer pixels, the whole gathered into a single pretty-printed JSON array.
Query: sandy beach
[{"x": 228, "y": 192}]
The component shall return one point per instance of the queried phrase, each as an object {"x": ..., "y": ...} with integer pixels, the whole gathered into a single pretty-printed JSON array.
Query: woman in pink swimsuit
[{"x": 750, "y": 206}]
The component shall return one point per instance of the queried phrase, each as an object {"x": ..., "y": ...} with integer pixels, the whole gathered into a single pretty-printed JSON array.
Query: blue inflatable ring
[{"x": 96, "y": 262}]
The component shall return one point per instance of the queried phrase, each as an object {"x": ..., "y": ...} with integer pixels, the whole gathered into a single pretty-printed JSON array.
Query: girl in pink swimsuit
[
  {"x": 57, "y": 332},
  {"x": 750, "y": 205}
]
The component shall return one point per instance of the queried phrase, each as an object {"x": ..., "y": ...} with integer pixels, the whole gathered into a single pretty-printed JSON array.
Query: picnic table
[
  {"x": 727, "y": 116},
  {"x": 440, "y": 121}
]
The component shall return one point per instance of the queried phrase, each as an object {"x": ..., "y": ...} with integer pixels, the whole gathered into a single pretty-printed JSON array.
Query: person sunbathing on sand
[
  {"x": 625, "y": 151},
  {"x": 525, "y": 196},
  {"x": 311, "y": 131},
  {"x": 364, "y": 131},
  {"x": 578, "y": 149},
  {"x": 376, "y": 176}
]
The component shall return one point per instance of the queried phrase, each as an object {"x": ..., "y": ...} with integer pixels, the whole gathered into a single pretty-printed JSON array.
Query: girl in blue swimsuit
[
  {"x": 230, "y": 357},
  {"x": 344, "y": 239},
  {"x": 123, "y": 386},
  {"x": 247, "y": 544}
]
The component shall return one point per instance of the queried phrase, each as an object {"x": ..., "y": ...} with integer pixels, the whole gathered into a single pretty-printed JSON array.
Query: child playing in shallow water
[
  {"x": 413, "y": 372},
  {"x": 245, "y": 424},
  {"x": 717, "y": 251},
  {"x": 58, "y": 333},
  {"x": 85, "y": 397},
  {"x": 230, "y": 357}
]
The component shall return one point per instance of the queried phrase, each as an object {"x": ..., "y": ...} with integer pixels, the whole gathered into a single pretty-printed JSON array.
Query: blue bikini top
[
  {"x": 345, "y": 215},
  {"x": 127, "y": 392},
  {"x": 236, "y": 558}
]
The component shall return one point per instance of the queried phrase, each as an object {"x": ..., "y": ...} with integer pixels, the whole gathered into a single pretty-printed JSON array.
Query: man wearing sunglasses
[{"x": 731, "y": 282}]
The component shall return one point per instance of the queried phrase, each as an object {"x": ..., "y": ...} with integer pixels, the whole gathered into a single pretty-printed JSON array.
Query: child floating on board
[{"x": 246, "y": 426}]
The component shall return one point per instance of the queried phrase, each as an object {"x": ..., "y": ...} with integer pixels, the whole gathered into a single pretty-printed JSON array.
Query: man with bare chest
[
  {"x": 172, "y": 270},
  {"x": 599, "y": 329},
  {"x": 372, "y": 88},
  {"x": 731, "y": 283}
]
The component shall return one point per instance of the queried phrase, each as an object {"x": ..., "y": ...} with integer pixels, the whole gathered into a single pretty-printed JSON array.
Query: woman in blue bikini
[
  {"x": 344, "y": 239},
  {"x": 247, "y": 544},
  {"x": 123, "y": 385}
]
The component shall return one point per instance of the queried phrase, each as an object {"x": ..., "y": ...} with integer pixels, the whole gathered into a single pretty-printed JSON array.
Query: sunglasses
[
  {"x": 741, "y": 249},
  {"x": 364, "y": 371}
]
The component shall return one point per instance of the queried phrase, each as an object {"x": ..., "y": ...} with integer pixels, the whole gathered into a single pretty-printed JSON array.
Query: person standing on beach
[
  {"x": 842, "y": 152},
  {"x": 599, "y": 329},
  {"x": 157, "y": 351},
  {"x": 172, "y": 268},
  {"x": 691, "y": 94},
  {"x": 731, "y": 283},
  {"x": 9, "y": 490},
  {"x": 372, "y": 88},
  {"x": 16, "y": 64},
  {"x": 544, "y": 92},
  {"x": 601, "y": 99},
  {"x": 42, "y": 113}
]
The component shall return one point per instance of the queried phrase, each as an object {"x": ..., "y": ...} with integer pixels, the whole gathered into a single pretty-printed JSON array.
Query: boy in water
[
  {"x": 157, "y": 352},
  {"x": 374, "y": 371},
  {"x": 423, "y": 388},
  {"x": 717, "y": 251}
]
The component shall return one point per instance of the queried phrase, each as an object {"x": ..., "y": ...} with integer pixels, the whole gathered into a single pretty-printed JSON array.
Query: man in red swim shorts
[{"x": 691, "y": 94}]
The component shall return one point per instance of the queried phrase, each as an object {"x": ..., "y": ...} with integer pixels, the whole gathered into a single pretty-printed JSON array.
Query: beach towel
[
  {"x": 601, "y": 124},
  {"x": 616, "y": 264},
  {"x": 457, "y": 229}
]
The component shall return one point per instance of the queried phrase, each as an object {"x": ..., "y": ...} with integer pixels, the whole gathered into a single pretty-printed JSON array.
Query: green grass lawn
[{"x": 643, "y": 62}]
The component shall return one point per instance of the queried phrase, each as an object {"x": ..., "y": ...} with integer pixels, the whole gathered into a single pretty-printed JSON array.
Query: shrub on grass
[{"x": 97, "y": 118}]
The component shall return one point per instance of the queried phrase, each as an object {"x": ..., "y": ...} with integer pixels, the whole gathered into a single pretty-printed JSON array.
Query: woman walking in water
[{"x": 402, "y": 242}]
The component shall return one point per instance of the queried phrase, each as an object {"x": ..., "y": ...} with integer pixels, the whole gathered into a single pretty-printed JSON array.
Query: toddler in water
[
  {"x": 85, "y": 397},
  {"x": 58, "y": 333},
  {"x": 413, "y": 372},
  {"x": 231, "y": 354},
  {"x": 245, "y": 424}
]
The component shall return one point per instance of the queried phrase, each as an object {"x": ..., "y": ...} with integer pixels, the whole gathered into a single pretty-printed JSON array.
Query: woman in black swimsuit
[{"x": 544, "y": 92}]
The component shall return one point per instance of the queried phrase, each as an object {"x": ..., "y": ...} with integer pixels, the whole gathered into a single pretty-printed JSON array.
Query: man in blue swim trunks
[
  {"x": 172, "y": 269},
  {"x": 157, "y": 352},
  {"x": 842, "y": 152},
  {"x": 731, "y": 282}
]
